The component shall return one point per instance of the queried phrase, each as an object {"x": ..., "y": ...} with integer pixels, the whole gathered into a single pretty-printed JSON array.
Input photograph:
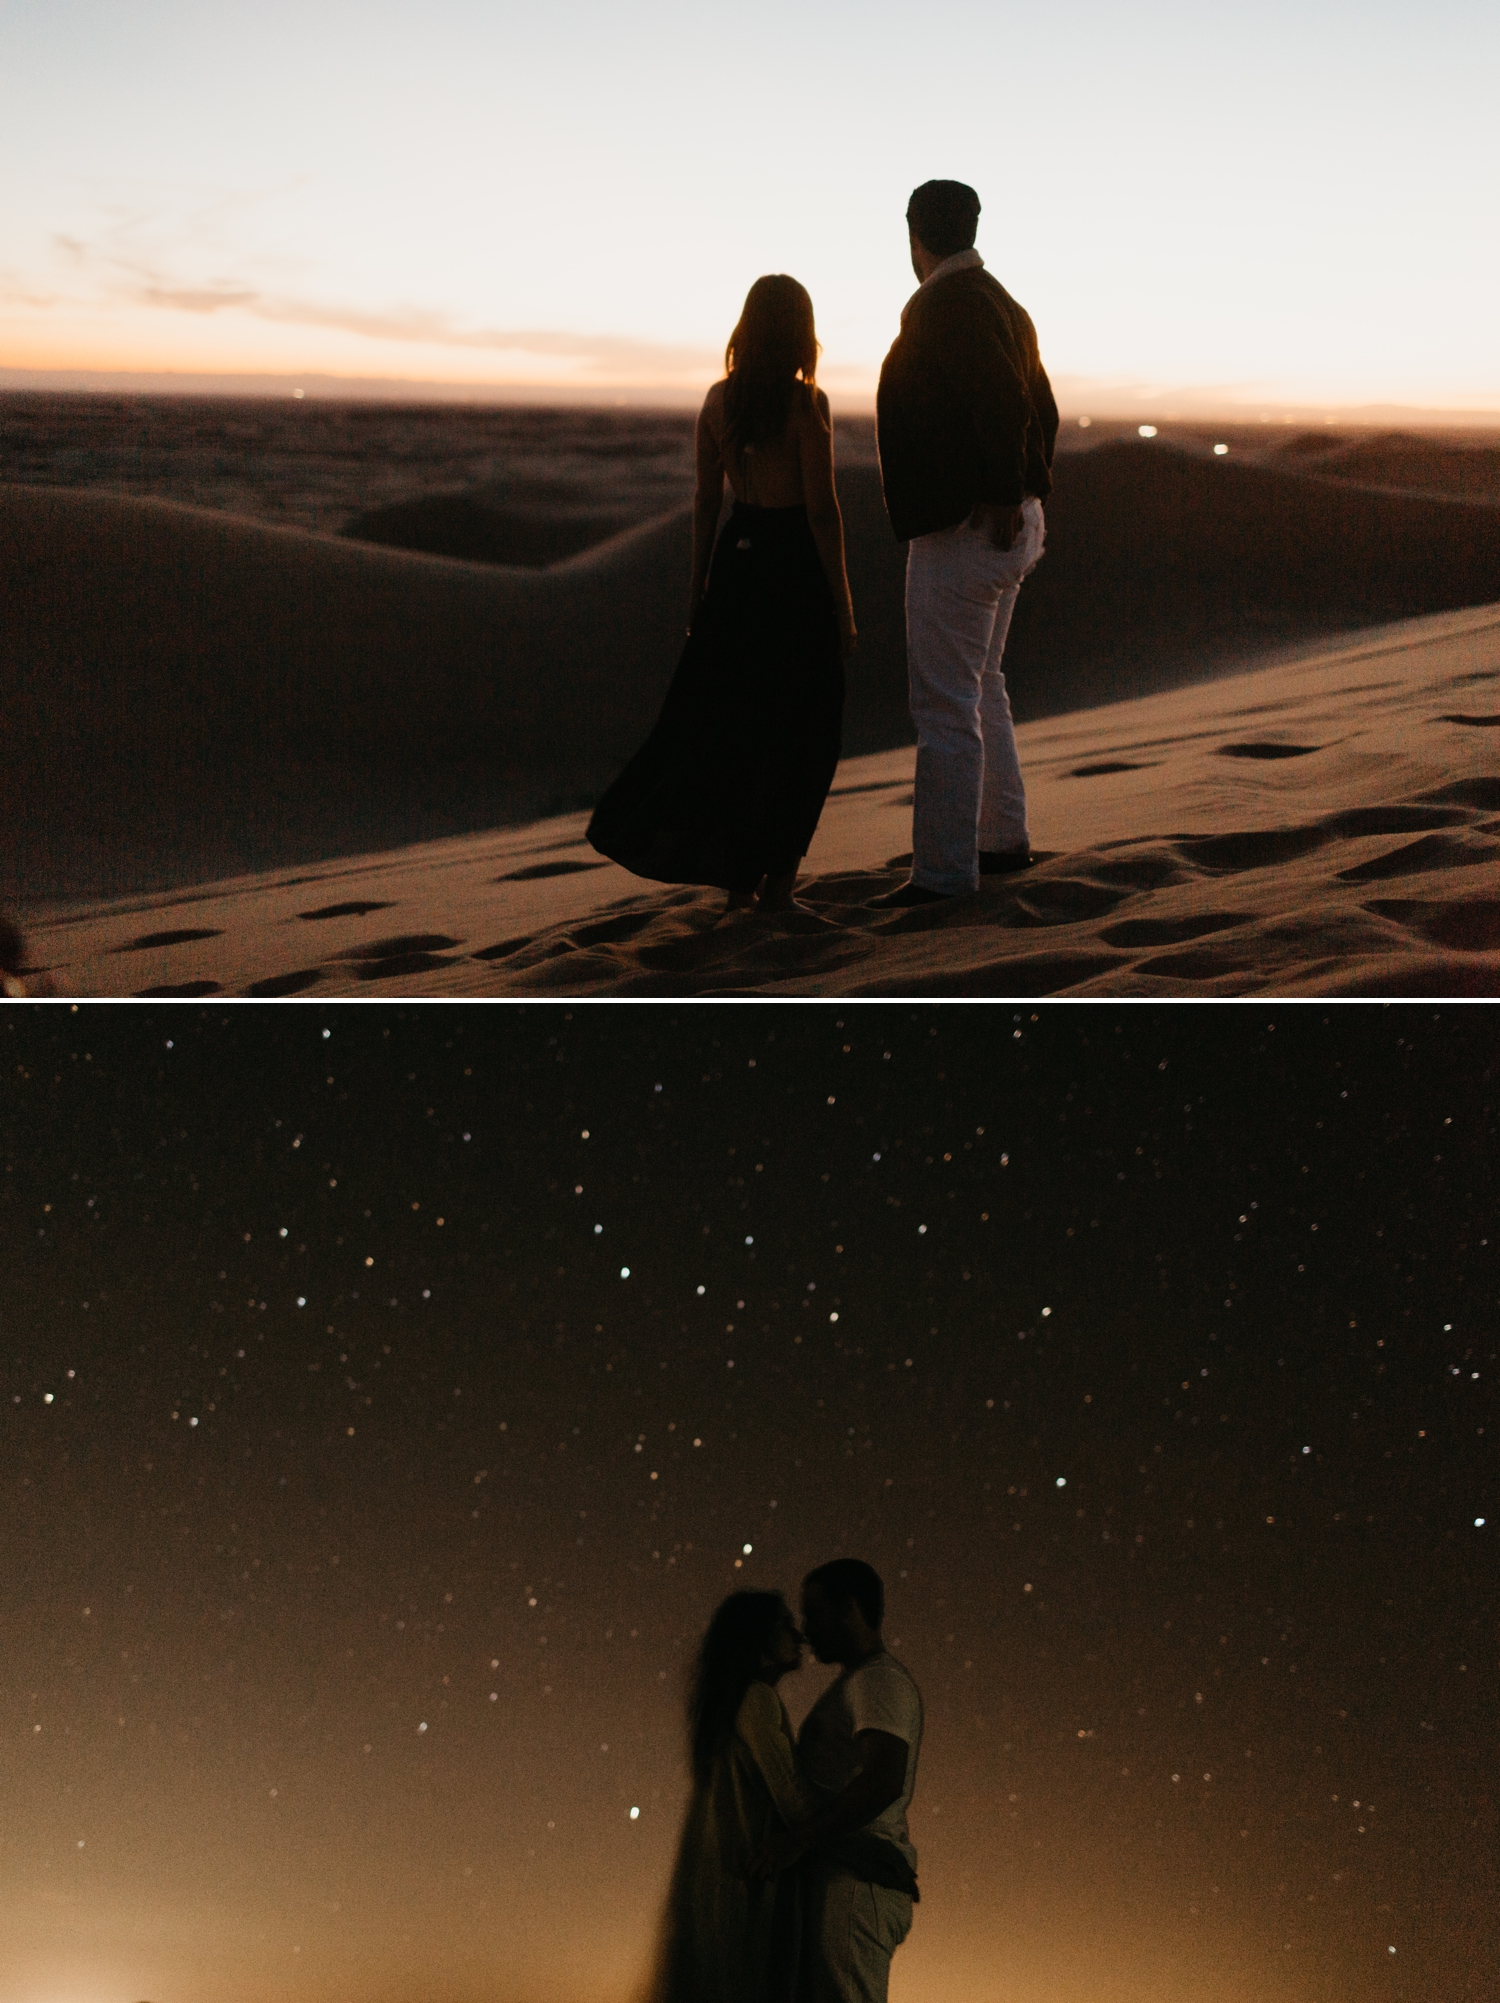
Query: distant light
[
  {"x": 1062, "y": 1481},
  {"x": 1479, "y": 1523},
  {"x": 624, "y": 1272},
  {"x": 1084, "y": 423},
  {"x": 599, "y": 1227},
  {"x": 1220, "y": 450},
  {"x": 326, "y": 1034},
  {"x": 700, "y": 1290},
  {"x": 585, "y": 1134},
  {"x": 46, "y": 1397},
  {"x": 833, "y": 1317},
  {"x": 1045, "y": 1313},
  {"x": 749, "y": 1241},
  {"x": 302, "y": 1300},
  {"x": 1147, "y": 430},
  {"x": 635, "y": 1815},
  {"x": 746, "y": 1548},
  {"x": 299, "y": 394},
  {"x": 423, "y": 1726}
]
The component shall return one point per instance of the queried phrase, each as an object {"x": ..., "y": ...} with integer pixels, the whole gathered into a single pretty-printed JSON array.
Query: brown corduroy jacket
[{"x": 964, "y": 412}]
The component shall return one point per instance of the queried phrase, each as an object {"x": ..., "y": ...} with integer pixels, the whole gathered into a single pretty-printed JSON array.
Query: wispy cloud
[{"x": 115, "y": 267}]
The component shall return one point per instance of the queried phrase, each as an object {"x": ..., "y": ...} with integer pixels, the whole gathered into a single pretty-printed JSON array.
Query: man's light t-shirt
[{"x": 879, "y": 1696}]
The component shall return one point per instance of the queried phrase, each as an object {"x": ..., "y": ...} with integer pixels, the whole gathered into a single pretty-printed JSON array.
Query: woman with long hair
[
  {"x": 726, "y": 1939},
  {"x": 728, "y": 788}
]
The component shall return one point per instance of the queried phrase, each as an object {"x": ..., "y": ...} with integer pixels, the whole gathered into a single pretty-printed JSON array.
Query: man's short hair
[
  {"x": 943, "y": 216},
  {"x": 845, "y": 1579}
]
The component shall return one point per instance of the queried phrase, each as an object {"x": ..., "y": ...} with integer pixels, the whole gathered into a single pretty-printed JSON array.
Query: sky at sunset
[
  {"x": 1292, "y": 201},
  {"x": 390, "y": 1394}
]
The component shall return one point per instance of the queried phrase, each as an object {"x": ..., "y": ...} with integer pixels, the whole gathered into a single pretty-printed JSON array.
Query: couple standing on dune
[
  {"x": 796, "y": 1875},
  {"x": 728, "y": 788}
]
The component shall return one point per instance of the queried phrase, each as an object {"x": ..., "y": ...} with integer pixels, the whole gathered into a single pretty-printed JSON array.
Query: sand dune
[
  {"x": 190, "y": 695},
  {"x": 1329, "y": 826}
]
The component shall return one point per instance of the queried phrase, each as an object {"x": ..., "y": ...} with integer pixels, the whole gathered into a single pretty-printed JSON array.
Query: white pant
[
  {"x": 853, "y": 1929},
  {"x": 960, "y": 594}
]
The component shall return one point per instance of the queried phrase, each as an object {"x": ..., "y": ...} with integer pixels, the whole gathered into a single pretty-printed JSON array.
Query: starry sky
[
  {"x": 1283, "y": 201},
  {"x": 390, "y": 1394}
]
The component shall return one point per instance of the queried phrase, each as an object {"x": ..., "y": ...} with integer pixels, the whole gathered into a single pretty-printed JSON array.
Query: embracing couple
[
  {"x": 728, "y": 788},
  {"x": 796, "y": 1874}
]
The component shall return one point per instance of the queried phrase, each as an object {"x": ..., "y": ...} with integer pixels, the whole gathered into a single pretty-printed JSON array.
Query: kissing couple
[{"x": 796, "y": 1875}]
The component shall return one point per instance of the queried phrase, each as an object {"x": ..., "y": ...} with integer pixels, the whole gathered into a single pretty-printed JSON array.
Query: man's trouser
[
  {"x": 960, "y": 594},
  {"x": 852, "y": 1930}
]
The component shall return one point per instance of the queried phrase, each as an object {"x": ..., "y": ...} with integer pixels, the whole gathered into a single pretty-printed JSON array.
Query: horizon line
[{"x": 1077, "y": 396}]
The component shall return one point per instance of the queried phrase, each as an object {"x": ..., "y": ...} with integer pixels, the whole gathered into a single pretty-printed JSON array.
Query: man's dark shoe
[
  {"x": 909, "y": 894},
  {"x": 1003, "y": 861}
]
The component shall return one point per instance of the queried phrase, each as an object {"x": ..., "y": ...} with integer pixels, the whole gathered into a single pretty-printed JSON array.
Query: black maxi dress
[{"x": 730, "y": 783}]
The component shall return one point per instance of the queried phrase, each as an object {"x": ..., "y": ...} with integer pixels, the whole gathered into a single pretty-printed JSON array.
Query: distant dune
[{"x": 190, "y": 694}]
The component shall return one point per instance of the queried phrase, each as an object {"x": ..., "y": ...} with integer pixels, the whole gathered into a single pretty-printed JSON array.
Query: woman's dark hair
[
  {"x": 740, "y": 1632},
  {"x": 944, "y": 216},
  {"x": 774, "y": 342}
]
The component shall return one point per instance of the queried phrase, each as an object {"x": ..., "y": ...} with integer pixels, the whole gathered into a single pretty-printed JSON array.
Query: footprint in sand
[
  {"x": 286, "y": 984},
  {"x": 1469, "y": 927},
  {"x": 540, "y": 869},
  {"x": 1256, "y": 848},
  {"x": 612, "y": 931},
  {"x": 1196, "y": 964},
  {"x": 1063, "y": 901},
  {"x": 1395, "y": 820},
  {"x": 1102, "y": 771},
  {"x": 149, "y": 939},
  {"x": 407, "y": 953},
  {"x": 1169, "y": 931},
  {"x": 355, "y": 910},
  {"x": 1481, "y": 793},
  {"x": 1431, "y": 852},
  {"x": 1475, "y": 722},
  {"x": 181, "y": 989},
  {"x": 1268, "y": 749}
]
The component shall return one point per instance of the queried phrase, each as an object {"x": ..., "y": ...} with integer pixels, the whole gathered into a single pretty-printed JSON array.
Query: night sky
[{"x": 390, "y": 1395}]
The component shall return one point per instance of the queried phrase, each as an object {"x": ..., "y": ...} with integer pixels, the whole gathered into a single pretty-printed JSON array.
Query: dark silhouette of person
[
  {"x": 966, "y": 424},
  {"x": 726, "y": 1937},
  {"x": 859, "y": 1747},
  {"x": 728, "y": 788}
]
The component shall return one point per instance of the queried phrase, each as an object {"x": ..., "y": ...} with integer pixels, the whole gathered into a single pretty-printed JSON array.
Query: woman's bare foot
[{"x": 776, "y": 892}]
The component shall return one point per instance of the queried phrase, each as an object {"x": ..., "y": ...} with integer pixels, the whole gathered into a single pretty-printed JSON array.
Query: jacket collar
[{"x": 961, "y": 260}]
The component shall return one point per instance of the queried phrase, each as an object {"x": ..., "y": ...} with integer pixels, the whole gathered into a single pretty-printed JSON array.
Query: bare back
[{"x": 770, "y": 474}]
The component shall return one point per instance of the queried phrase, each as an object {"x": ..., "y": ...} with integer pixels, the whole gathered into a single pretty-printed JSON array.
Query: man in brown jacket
[{"x": 965, "y": 426}]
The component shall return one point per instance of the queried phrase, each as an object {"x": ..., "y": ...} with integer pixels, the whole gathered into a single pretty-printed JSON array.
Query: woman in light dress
[{"x": 726, "y": 1939}]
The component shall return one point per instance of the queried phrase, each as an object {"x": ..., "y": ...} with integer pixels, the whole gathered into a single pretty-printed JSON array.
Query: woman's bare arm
[
  {"x": 823, "y": 517},
  {"x": 707, "y": 500}
]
